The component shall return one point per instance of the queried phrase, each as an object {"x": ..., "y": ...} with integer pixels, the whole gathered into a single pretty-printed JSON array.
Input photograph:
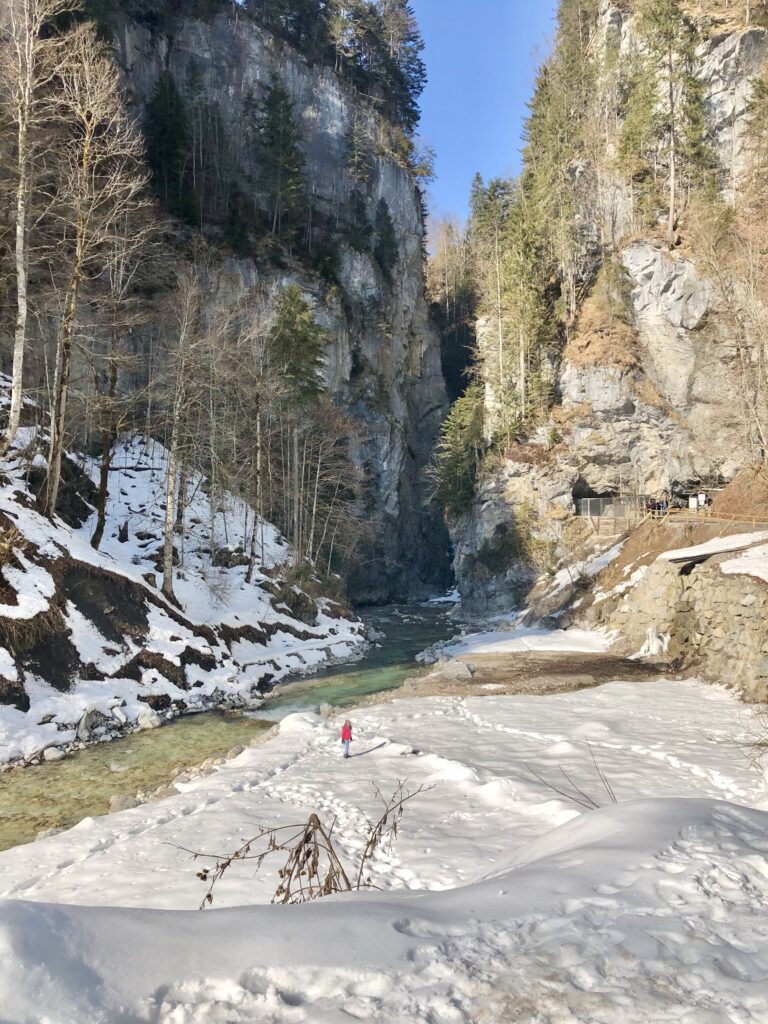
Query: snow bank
[
  {"x": 502, "y": 900},
  {"x": 522, "y": 639},
  {"x": 716, "y": 546},
  {"x": 587, "y": 568},
  {"x": 751, "y": 563}
]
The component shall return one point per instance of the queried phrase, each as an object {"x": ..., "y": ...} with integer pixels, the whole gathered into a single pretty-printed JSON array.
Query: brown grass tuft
[{"x": 602, "y": 339}]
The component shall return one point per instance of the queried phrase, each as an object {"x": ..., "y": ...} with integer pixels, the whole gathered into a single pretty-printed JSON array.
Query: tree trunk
[
  {"x": 22, "y": 273},
  {"x": 171, "y": 482},
  {"x": 181, "y": 508},
  {"x": 672, "y": 153},
  {"x": 170, "y": 515},
  {"x": 61, "y": 392},
  {"x": 107, "y": 437},
  {"x": 296, "y": 499}
]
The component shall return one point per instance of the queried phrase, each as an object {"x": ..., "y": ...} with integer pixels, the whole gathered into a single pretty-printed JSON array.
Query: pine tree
[
  {"x": 168, "y": 140},
  {"x": 674, "y": 126},
  {"x": 406, "y": 74},
  {"x": 359, "y": 160},
  {"x": 282, "y": 164},
  {"x": 385, "y": 250},
  {"x": 298, "y": 345},
  {"x": 459, "y": 453},
  {"x": 359, "y": 230}
]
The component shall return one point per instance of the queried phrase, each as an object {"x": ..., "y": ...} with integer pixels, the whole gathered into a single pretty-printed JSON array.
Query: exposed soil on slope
[
  {"x": 533, "y": 673},
  {"x": 746, "y": 495}
]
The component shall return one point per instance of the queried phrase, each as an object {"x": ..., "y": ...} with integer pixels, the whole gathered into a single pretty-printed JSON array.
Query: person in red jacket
[{"x": 346, "y": 736}]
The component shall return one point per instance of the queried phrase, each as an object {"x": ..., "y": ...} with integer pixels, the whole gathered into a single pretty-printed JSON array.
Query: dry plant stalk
[
  {"x": 575, "y": 793},
  {"x": 313, "y": 867}
]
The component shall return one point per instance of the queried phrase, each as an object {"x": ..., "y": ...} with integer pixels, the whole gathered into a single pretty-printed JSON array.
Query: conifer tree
[
  {"x": 670, "y": 123},
  {"x": 407, "y": 72},
  {"x": 359, "y": 230},
  {"x": 282, "y": 164},
  {"x": 359, "y": 159},
  {"x": 385, "y": 250},
  {"x": 168, "y": 141},
  {"x": 298, "y": 345},
  {"x": 459, "y": 452}
]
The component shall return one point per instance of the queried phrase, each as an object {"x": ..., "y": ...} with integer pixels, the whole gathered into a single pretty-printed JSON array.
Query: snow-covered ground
[
  {"x": 716, "y": 546},
  {"x": 753, "y": 562},
  {"x": 586, "y": 568},
  {"x": 502, "y": 900},
  {"x": 529, "y": 638},
  {"x": 227, "y": 637}
]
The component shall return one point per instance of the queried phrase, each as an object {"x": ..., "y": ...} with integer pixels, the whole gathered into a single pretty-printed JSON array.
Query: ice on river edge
[{"x": 502, "y": 900}]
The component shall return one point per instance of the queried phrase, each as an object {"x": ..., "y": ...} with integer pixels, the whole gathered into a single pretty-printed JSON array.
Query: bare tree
[
  {"x": 100, "y": 184},
  {"x": 30, "y": 59},
  {"x": 130, "y": 252},
  {"x": 187, "y": 302}
]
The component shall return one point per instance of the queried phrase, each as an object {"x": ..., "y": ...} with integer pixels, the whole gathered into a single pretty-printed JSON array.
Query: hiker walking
[{"x": 346, "y": 736}]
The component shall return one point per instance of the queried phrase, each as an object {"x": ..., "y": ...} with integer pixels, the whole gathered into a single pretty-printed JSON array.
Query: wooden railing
[
  {"x": 689, "y": 516},
  {"x": 612, "y": 526}
]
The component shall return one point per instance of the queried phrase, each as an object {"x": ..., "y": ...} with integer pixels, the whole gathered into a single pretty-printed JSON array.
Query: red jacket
[{"x": 346, "y": 732}]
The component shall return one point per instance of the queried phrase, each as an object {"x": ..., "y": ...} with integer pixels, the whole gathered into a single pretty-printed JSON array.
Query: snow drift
[{"x": 500, "y": 902}]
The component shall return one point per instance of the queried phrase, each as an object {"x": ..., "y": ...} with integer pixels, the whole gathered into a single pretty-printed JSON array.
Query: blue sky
[{"x": 481, "y": 58}]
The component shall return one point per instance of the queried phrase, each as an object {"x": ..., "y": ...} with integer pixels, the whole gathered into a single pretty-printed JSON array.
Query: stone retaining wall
[{"x": 714, "y": 622}]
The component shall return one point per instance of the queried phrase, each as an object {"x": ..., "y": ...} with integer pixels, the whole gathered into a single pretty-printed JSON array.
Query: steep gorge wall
[
  {"x": 655, "y": 407},
  {"x": 383, "y": 356}
]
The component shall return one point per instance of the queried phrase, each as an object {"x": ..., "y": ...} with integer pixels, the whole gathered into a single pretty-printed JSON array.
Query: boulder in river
[{"x": 148, "y": 718}]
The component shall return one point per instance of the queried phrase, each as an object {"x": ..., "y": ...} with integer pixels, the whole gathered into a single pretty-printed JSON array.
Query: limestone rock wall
[
  {"x": 673, "y": 412},
  {"x": 666, "y": 411},
  {"x": 383, "y": 360}
]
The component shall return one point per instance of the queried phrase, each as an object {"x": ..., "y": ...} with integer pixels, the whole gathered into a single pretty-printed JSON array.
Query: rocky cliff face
[
  {"x": 383, "y": 358},
  {"x": 654, "y": 409}
]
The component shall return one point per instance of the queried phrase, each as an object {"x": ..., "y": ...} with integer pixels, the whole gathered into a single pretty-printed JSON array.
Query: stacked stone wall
[{"x": 707, "y": 620}]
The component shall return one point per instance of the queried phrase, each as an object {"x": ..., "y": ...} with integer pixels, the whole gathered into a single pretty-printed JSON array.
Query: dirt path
[{"x": 533, "y": 673}]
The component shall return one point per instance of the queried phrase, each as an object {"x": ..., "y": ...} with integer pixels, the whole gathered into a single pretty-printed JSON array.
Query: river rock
[
  {"x": 162, "y": 792},
  {"x": 48, "y": 833},
  {"x": 326, "y": 710},
  {"x": 86, "y": 725},
  {"x": 235, "y": 752},
  {"x": 455, "y": 671},
  {"x": 53, "y": 754},
  {"x": 123, "y": 802},
  {"x": 147, "y": 719}
]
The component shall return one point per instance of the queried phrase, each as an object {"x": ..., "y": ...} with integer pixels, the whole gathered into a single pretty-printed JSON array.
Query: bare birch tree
[
  {"x": 30, "y": 59},
  {"x": 100, "y": 183}
]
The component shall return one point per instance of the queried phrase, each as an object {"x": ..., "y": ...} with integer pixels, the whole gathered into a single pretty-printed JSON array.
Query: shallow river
[{"x": 61, "y": 793}]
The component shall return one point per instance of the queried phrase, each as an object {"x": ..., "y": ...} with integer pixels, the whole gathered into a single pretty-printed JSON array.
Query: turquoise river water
[{"x": 61, "y": 793}]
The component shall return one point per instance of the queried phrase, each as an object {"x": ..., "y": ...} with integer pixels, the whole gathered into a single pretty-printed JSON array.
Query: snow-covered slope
[
  {"x": 503, "y": 901},
  {"x": 88, "y": 644}
]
